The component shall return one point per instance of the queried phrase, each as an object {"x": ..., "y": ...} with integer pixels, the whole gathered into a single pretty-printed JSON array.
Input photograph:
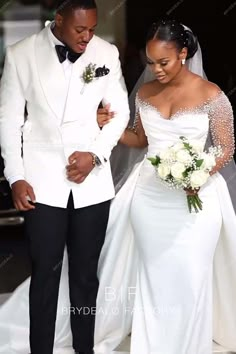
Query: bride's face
[{"x": 164, "y": 59}]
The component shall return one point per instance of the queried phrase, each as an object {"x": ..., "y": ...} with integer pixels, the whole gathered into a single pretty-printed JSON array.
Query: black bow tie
[{"x": 64, "y": 52}]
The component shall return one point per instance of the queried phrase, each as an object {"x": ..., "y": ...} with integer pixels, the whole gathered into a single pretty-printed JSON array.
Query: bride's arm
[
  {"x": 222, "y": 129},
  {"x": 135, "y": 136}
]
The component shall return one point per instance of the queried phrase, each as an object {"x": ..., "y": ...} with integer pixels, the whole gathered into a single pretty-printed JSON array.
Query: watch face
[{"x": 97, "y": 161}]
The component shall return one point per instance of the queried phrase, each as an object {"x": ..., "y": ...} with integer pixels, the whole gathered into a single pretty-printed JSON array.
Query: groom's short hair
[{"x": 67, "y": 5}]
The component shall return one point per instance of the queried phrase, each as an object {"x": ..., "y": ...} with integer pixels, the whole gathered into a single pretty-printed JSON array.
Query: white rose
[
  {"x": 197, "y": 146},
  {"x": 163, "y": 170},
  {"x": 167, "y": 155},
  {"x": 208, "y": 161},
  {"x": 177, "y": 170},
  {"x": 184, "y": 157},
  {"x": 198, "y": 178},
  {"x": 178, "y": 146}
]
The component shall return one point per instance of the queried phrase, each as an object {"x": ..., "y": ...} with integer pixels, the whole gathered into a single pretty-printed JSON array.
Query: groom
[{"x": 57, "y": 160}]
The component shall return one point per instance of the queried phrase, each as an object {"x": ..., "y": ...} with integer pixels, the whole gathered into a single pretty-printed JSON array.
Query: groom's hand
[
  {"x": 80, "y": 165},
  {"x": 23, "y": 195}
]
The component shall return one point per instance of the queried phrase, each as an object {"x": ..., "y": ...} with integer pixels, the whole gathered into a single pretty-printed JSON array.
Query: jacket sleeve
[
  {"x": 116, "y": 95},
  {"x": 12, "y": 108}
]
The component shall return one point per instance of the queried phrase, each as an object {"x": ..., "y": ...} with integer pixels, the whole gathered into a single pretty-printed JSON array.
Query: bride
[{"x": 163, "y": 271}]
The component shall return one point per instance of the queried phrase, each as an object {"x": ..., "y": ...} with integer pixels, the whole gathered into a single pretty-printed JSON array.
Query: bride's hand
[
  {"x": 104, "y": 115},
  {"x": 190, "y": 191}
]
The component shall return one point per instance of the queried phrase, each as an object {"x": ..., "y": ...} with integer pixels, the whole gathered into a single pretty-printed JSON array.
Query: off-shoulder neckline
[{"x": 181, "y": 110}]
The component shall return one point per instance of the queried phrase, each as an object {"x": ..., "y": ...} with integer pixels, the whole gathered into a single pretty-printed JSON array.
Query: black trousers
[{"x": 49, "y": 229}]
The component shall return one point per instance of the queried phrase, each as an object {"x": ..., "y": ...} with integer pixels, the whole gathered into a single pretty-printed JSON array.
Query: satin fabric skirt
[{"x": 173, "y": 304}]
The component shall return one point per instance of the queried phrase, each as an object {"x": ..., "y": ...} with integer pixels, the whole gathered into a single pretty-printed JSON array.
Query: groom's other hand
[
  {"x": 80, "y": 165},
  {"x": 23, "y": 195}
]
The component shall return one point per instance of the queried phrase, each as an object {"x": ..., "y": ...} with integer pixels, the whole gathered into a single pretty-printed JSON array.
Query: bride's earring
[{"x": 183, "y": 61}]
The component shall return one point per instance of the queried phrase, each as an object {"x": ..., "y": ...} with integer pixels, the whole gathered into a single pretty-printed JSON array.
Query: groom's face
[{"x": 76, "y": 28}]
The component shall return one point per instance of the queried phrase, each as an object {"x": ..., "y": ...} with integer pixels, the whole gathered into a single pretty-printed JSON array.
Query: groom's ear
[{"x": 58, "y": 20}]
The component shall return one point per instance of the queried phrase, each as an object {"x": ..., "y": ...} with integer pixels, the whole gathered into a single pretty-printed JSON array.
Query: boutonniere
[{"x": 91, "y": 72}]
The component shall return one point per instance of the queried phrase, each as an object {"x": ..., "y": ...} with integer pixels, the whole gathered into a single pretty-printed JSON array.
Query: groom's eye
[
  {"x": 79, "y": 31},
  {"x": 164, "y": 63}
]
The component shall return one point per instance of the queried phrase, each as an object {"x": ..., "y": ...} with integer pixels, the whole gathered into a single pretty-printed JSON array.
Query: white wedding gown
[{"x": 180, "y": 266}]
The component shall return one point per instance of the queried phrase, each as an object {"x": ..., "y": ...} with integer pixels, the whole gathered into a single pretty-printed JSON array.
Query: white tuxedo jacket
[{"x": 38, "y": 147}]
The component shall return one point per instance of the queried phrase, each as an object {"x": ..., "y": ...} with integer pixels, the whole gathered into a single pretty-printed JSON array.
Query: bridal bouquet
[{"x": 185, "y": 165}]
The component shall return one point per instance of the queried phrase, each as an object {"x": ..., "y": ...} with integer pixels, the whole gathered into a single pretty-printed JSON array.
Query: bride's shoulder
[
  {"x": 209, "y": 90},
  {"x": 147, "y": 89},
  {"x": 214, "y": 97}
]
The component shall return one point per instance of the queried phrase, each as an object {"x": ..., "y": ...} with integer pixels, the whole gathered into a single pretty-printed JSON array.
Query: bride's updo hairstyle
[{"x": 173, "y": 31}]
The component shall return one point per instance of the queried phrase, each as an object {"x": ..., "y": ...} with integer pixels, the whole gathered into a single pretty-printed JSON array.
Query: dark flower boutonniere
[{"x": 91, "y": 72}]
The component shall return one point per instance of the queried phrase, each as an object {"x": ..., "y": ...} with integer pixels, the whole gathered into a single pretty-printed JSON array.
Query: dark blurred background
[{"x": 125, "y": 23}]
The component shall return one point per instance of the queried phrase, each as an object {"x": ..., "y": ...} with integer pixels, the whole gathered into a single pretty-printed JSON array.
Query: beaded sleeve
[
  {"x": 222, "y": 127},
  {"x": 134, "y": 125}
]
